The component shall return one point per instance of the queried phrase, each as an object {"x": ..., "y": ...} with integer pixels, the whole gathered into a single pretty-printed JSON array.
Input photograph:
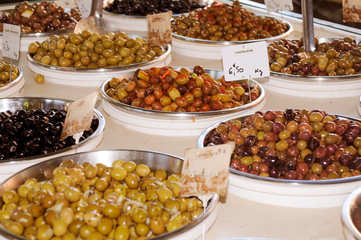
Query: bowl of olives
[
  {"x": 210, "y": 29},
  {"x": 39, "y": 20},
  {"x": 292, "y": 158},
  {"x": 30, "y": 130},
  {"x": 122, "y": 193},
  {"x": 177, "y": 100},
  {"x": 87, "y": 59},
  {"x": 132, "y": 13},
  {"x": 351, "y": 215},
  {"x": 11, "y": 80}
]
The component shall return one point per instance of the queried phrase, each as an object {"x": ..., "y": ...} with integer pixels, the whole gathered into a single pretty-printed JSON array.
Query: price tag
[
  {"x": 245, "y": 61},
  {"x": 84, "y": 7},
  {"x": 67, "y": 3},
  {"x": 351, "y": 10},
  {"x": 205, "y": 171},
  {"x": 159, "y": 30},
  {"x": 11, "y": 41},
  {"x": 79, "y": 116},
  {"x": 278, "y": 5}
]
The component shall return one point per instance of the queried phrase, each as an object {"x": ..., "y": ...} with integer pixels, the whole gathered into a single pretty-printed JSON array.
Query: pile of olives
[
  {"x": 333, "y": 58},
  {"x": 142, "y": 8},
  {"x": 165, "y": 89},
  {"x": 90, "y": 50},
  {"x": 293, "y": 144},
  {"x": 224, "y": 22},
  {"x": 124, "y": 201},
  {"x": 40, "y": 17},
  {"x": 5, "y": 70},
  {"x": 26, "y": 133}
]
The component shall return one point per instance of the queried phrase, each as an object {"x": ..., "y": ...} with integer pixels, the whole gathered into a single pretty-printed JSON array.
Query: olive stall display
[
  {"x": 209, "y": 29},
  {"x": 178, "y": 100},
  {"x": 11, "y": 80},
  {"x": 318, "y": 151},
  {"x": 88, "y": 57},
  {"x": 121, "y": 194}
]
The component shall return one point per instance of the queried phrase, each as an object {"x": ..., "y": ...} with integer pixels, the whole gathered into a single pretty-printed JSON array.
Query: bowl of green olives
[
  {"x": 351, "y": 215},
  {"x": 132, "y": 14},
  {"x": 210, "y": 29},
  {"x": 122, "y": 193},
  {"x": 30, "y": 131},
  {"x": 177, "y": 100},
  {"x": 11, "y": 80},
  {"x": 38, "y": 21},
  {"x": 292, "y": 158},
  {"x": 87, "y": 59}
]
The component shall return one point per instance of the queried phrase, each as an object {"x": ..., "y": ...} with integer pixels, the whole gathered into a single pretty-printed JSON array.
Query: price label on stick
[
  {"x": 159, "y": 30},
  {"x": 205, "y": 171},
  {"x": 278, "y": 5},
  {"x": 84, "y": 7},
  {"x": 79, "y": 116},
  {"x": 11, "y": 41},
  {"x": 245, "y": 61}
]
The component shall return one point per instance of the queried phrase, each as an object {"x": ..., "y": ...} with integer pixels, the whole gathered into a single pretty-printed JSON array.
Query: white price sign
[
  {"x": 11, "y": 41},
  {"x": 245, "y": 61},
  {"x": 278, "y": 5},
  {"x": 84, "y": 7}
]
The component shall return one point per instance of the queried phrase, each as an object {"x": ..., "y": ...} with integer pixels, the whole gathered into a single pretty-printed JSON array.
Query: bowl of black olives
[
  {"x": 30, "y": 130},
  {"x": 292, "y": 158},
  {"x": 11, "y": 80}
]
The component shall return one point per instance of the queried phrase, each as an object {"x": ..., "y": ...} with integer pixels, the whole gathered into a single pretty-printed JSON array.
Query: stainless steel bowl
[
  {"x": 351, "y": 216},
  {"x": 35, "y": 35},
  {"x": 217, "y": 74},
  {"x": 27, "y": 103},
  {"x": 154, "y": 160}
]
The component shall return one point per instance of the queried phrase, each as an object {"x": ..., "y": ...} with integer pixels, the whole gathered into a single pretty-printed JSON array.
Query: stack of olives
[
  {"x": 5, "y": 71},
  {"x": 26, "y": 133},
  {"x": 40, "y": 17},
  {"x": 165, "y": 89},
  {"x": 143, "y": 8},
  {"x": 224, "y": 22},
  {"x": 90, "y": 50},
  {"x": 293, "y": 144},
  {"x": 124, "y": 201},
  {"x": 333, "y": 58}
]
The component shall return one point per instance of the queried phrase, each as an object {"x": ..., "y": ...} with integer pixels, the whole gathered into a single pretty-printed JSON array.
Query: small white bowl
[
  {"x": 13, "y": 88},
  {"x": 351, "y": 216}
]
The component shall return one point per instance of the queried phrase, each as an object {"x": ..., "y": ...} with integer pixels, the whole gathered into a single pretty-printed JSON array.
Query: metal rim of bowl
[
  {"x": 229, "y": 43},
  {"x": 148, "y": 112},
  {"x": 200, "y": 144},
  {"x": 169, "y": 235},
  {"x": 42, "y": 34},
  {"x": 346, "y": 212},
  {"x": 99, "y": 129},
  {"x": 100, "y": 70},
  {"x": 13, "y": 83},
  {"x": 318, "y": 78}
]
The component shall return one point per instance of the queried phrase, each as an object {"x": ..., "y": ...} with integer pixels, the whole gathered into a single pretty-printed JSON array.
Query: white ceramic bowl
[
  {"x": 13, "y": 88},
  {"x": 351, "y": 216}
]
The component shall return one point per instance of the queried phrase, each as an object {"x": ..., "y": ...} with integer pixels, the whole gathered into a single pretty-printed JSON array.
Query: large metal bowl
[
  {"x": 351, "y": 216},
  {"x": 284, "y": 192},
  {"x": 185, "y": 123},
  {"x": 13, "y": 88},
  {"x": 154, "y": 160}
]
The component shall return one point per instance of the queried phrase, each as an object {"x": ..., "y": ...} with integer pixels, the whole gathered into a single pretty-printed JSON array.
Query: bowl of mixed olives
[
  {"x": 120, "y": 194},
  {"x": 295, "y": 158},
  {"x": 132, "y": 13},
  {"x": 351, "y": 215},
  {"x": 87, "y": 59},
  {"x": 39, "y": 20},
  {"x": 11, "y": 80},
  {"x": 210, "y": 29},
  {"x": 177, "y": 98}
]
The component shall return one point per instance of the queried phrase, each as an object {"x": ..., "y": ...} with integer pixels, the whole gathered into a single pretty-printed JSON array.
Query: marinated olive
[{"x": 5, "y": 71}]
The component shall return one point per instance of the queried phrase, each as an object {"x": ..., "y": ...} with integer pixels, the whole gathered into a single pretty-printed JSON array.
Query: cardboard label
[
  {"x": 84, "y": 7},
  {"x": 205, "y": 171},
  {"x": 278, "y": 5},
  {"x": 351, "y": 10},
  {"x": 245, "y": 61},
  {"x": 79, "y": 116},
  {"x": 159, "y": 29},
  {"x": 11, "y": 41}
]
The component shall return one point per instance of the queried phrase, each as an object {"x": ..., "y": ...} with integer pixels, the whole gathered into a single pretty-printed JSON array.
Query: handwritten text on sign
[
  {"x": 245, "y": 61},
  {"x": 278, "y": 5},
  {"x": 205, "y": 170},
  {"x": 84, "y": 7},
  {"x": 11, "y": 41}
]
